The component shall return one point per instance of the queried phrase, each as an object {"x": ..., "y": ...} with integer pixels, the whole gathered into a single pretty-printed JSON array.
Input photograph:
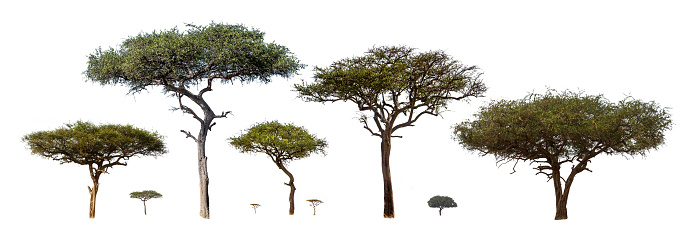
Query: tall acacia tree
[
  {"x": 100, "y": 147},
  {"x": 555, "y": 129},
  {"x": 282, "y": 143},
  {"x": 396, "y": 86},
  {"x": 185, "y": 64},
  {"x": 144, "y": 196}
]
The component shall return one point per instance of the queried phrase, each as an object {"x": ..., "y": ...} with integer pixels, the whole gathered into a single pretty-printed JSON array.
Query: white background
[{"x": 616, "y": 48}]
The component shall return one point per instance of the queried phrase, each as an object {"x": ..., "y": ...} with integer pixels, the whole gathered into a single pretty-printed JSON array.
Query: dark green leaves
[
  {"x": 441, "y": 202},
  {"x": 85, "y": 143},
  {"x": 279, "y": 141},
  {"x": 179, "y": 59}
]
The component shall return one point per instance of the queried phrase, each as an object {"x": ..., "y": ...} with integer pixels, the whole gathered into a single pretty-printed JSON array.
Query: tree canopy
[
  {"x": 555, "y": 128},
  {"x": 395, "y": 86},
  {"x": 185, "y": 64},
  {"x": 441, "y": 202},
  {"x": 282, "y": 143},
  {"x": 178, "y": 59},
  {"x": 144, "y": 196},
  {"x": 104, "y": 146},
  {"x": 98, "y": 146}
]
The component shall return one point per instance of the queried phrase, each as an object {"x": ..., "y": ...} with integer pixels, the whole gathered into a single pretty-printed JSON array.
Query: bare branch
[{"x": 189, "y": 135}]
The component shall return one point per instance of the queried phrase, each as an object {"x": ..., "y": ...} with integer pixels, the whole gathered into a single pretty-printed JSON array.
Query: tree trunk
[
  {"x": 145, "y": 207},
  {"x": 562, "y": 193},
  {"x": 389, "y": 203},
  {"x": 313, "y": 210},
  {"x": 202, "y": 168},
  {"x": 440, "y": 211},
  {"x": 92, "y": 200},
  {"x": 291, "y": 185}
]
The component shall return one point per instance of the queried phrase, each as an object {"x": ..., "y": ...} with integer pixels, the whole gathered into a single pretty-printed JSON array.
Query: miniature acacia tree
[
  {"x": 555, "y": 129},
  {"x": 441, "y": 202},
  {"x": 100, "y": 147},
  {"x": 282, "y": 143},
  {"x": 255, "y": 206},
  {"x": 144, "y": 196},
  {"x": 185, "y": 64},
  {"x": 396, "y": 86},
  {"x": 314, "y": 203}
]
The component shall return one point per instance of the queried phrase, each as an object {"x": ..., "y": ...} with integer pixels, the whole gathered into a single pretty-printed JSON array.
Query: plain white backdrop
[{"x": 616, "y": 48}]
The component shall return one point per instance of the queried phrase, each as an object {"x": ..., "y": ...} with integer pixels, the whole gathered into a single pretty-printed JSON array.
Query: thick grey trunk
[{"x": 202, "y": 168}]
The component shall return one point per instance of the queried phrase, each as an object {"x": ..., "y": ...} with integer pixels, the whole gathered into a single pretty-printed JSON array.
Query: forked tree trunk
[
  {"x": 562, "y": 193},
  {"x": 389, "y": 203},
  {"x": 92, "y": 200}
]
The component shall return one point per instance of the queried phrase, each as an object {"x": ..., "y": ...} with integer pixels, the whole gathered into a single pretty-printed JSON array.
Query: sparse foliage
[
  {"x": 394, "y": 87},
  {"x": 314, "y": 203},
  {"x": 185, "y": 64},
  {"x": 144, "y": 196},
  {"x": 441, "y": 202},
  {"x": 555, "y": 129},
  {"x": 255, "y": 206},
  {"x": 100, "y": 147},
  {"x": 282, "y": 143}
]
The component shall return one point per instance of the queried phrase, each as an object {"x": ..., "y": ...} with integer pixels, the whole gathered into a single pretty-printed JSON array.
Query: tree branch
[{"x": 188, "y": 135}]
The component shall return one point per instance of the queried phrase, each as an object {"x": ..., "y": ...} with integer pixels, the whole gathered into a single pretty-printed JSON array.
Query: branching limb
[{"x": 187, "y": 133}]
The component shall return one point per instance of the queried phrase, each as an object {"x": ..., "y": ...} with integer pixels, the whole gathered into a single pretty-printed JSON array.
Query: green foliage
[
  {"x": 281, "y": 142},
  {"x": 176, "y": 59},
  {"x": 390, "y": 81},
  {"x": 145, "y": 195},
  {"x": 441, "y": 202},
  {"x": 88, "y": 144},
  {"x": 564, "y": 127}
]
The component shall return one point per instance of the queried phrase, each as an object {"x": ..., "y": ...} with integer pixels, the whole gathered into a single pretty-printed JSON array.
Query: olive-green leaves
[
  {"x": 279, "y": 141},
  {"x": 88, "y": 144},
  {"x": 567, "y": 125}
]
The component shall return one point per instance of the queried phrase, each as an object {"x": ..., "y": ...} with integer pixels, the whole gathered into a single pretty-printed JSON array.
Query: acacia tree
[
  {"x": 144, "y": 196},
  {"x": 555, "y": 129},
  {"x": 441, "y": 202},
  {"x": 185, "y": 64},
  {"x": 282, "y": 143},
  {"x": 100, "y": 147},
  {"x": 314, "y": 203},
  {"x": 255, "y": 206},
  {"x": 396, "y": 86}
]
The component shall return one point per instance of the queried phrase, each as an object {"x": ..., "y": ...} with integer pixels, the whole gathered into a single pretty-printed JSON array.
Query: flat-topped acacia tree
[
  {"x": 100, "y": 147},
  {"x": 144, "y": 196},
  {"x": 283, "y": 143},
  {"x": 186, "y": 64},
  {"x": 557, "y": 129},
  {"x": 396, "y": 86},
  {"x": 314, "y": 203}
]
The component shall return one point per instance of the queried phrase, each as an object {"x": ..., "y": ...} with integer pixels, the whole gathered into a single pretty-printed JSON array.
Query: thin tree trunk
[
  {"x": 290, "y": 184},
  {"x": 313, "y": 210},
  {"x": 145, "y": 207},
  {"x": 389, "y": 203},
  {"x": 202, "y": 168},
  {"x": 440, "y": 212},
  {"x": 92, "y": 200}
]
